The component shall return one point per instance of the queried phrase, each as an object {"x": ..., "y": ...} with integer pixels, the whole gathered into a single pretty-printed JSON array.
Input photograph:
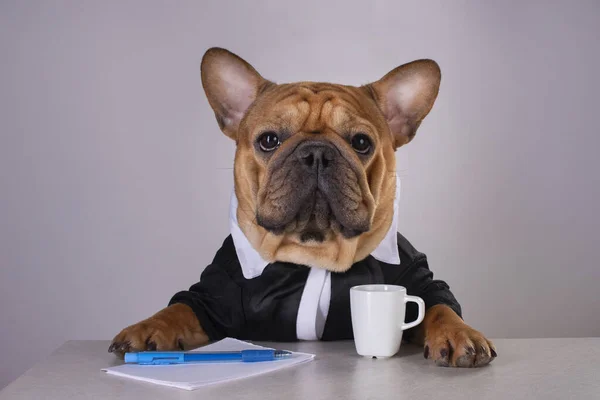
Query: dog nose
[{"x": 315, "y": 156}]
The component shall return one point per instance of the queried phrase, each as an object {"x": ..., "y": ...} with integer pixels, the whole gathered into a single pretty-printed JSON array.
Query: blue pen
[{"x": 180, "y": 357}]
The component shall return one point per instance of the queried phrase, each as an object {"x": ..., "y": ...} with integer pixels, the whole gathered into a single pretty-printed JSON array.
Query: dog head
[{"x": 315, "y": 162}]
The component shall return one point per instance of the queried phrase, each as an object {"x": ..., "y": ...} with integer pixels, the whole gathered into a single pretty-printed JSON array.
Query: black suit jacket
[{"x": 265, "y": 308}]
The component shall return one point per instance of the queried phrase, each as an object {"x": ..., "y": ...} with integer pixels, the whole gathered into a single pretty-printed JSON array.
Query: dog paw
[
  {"x": 458, "y": 345},
  {"x": 173, "y": 328},
  {"x": 148, "y": 335}
]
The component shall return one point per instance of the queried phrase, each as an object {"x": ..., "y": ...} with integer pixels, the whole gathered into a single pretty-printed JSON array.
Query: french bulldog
[{"x": 315, "y": 187}]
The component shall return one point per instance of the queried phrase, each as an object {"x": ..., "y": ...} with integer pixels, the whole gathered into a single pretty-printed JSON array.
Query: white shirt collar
[{"x": 253, "y": 264}]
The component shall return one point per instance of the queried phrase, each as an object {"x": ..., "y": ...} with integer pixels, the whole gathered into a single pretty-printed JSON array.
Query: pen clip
[
  {"x": 154, "y": 358},
  {"x": 162, "y": 361}
]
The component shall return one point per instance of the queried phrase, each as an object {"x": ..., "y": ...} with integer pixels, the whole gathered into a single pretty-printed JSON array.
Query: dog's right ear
[{"x": 231, "y": 86}]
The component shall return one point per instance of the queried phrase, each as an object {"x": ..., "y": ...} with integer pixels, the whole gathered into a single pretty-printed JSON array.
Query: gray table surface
[{"x": 524, "y": 369}]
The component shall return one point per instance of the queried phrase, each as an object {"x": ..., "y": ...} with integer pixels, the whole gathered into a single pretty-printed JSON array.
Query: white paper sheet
[{"x": 194, "y": 376}]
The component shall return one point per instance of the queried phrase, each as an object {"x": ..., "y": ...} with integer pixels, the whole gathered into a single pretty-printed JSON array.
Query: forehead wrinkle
[
  {"x": 289, "y": 116},
  {"x": 354, "y": 106},
  {"x": 306, "y": 110},
  {"x": 345, "y": 119},
  {"x": 315, "y": 106},
  {"x": 346, "y": 96},
  {"x": 318, "y": 87},
  {"x": 357, "y": 104}
]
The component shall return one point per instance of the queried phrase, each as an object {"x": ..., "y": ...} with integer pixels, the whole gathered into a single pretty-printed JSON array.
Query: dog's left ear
[
  {"x": 405, "y": 96},
  {"x": 231, "y": 86}
]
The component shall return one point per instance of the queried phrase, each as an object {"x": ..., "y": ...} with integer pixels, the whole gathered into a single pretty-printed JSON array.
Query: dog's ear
[
  {"x": 405, "y": 96},
  {"x": 231, "y": 85}
]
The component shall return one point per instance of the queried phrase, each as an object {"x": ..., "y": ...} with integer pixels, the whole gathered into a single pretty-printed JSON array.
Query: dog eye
[
  {"x": 361, "y": 143},
  {"x": 268, "y": 141}
]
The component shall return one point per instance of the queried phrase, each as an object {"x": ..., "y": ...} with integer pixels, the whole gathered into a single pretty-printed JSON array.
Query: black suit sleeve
[
  {"x": 420, "y": 283},
  {"x": 418, "y": 280},
  {"x": 217, "y": 302}
]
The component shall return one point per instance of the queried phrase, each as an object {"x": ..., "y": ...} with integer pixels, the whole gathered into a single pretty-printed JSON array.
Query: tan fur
[
  {"x": 450, "y": 342},
  {"x": 329, "y": 109},
  {"x": 174, "y": 327}
]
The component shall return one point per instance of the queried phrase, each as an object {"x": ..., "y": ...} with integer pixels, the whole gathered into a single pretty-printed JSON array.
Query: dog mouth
[
  {"x": 312, "y": 236},
  {"x": 315, "y": 222}
]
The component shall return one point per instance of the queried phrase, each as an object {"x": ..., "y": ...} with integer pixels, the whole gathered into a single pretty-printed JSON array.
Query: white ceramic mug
[{"x": 378, "y": 318}]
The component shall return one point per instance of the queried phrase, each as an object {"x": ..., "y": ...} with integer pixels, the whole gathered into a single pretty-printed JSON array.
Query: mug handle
[{"x": 421, "y": 315}]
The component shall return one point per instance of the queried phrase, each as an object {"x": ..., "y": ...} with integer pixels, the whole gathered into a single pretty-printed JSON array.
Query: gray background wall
[{"x": 115, "y": 179}]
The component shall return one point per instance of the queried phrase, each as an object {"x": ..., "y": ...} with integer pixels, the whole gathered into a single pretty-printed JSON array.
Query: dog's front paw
[
  {"x": 449, "y": 342},
  {"x": 173, "y": 328},
  {"x": 148, "y": 335},
  {"x": 458, "y": 345}
]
